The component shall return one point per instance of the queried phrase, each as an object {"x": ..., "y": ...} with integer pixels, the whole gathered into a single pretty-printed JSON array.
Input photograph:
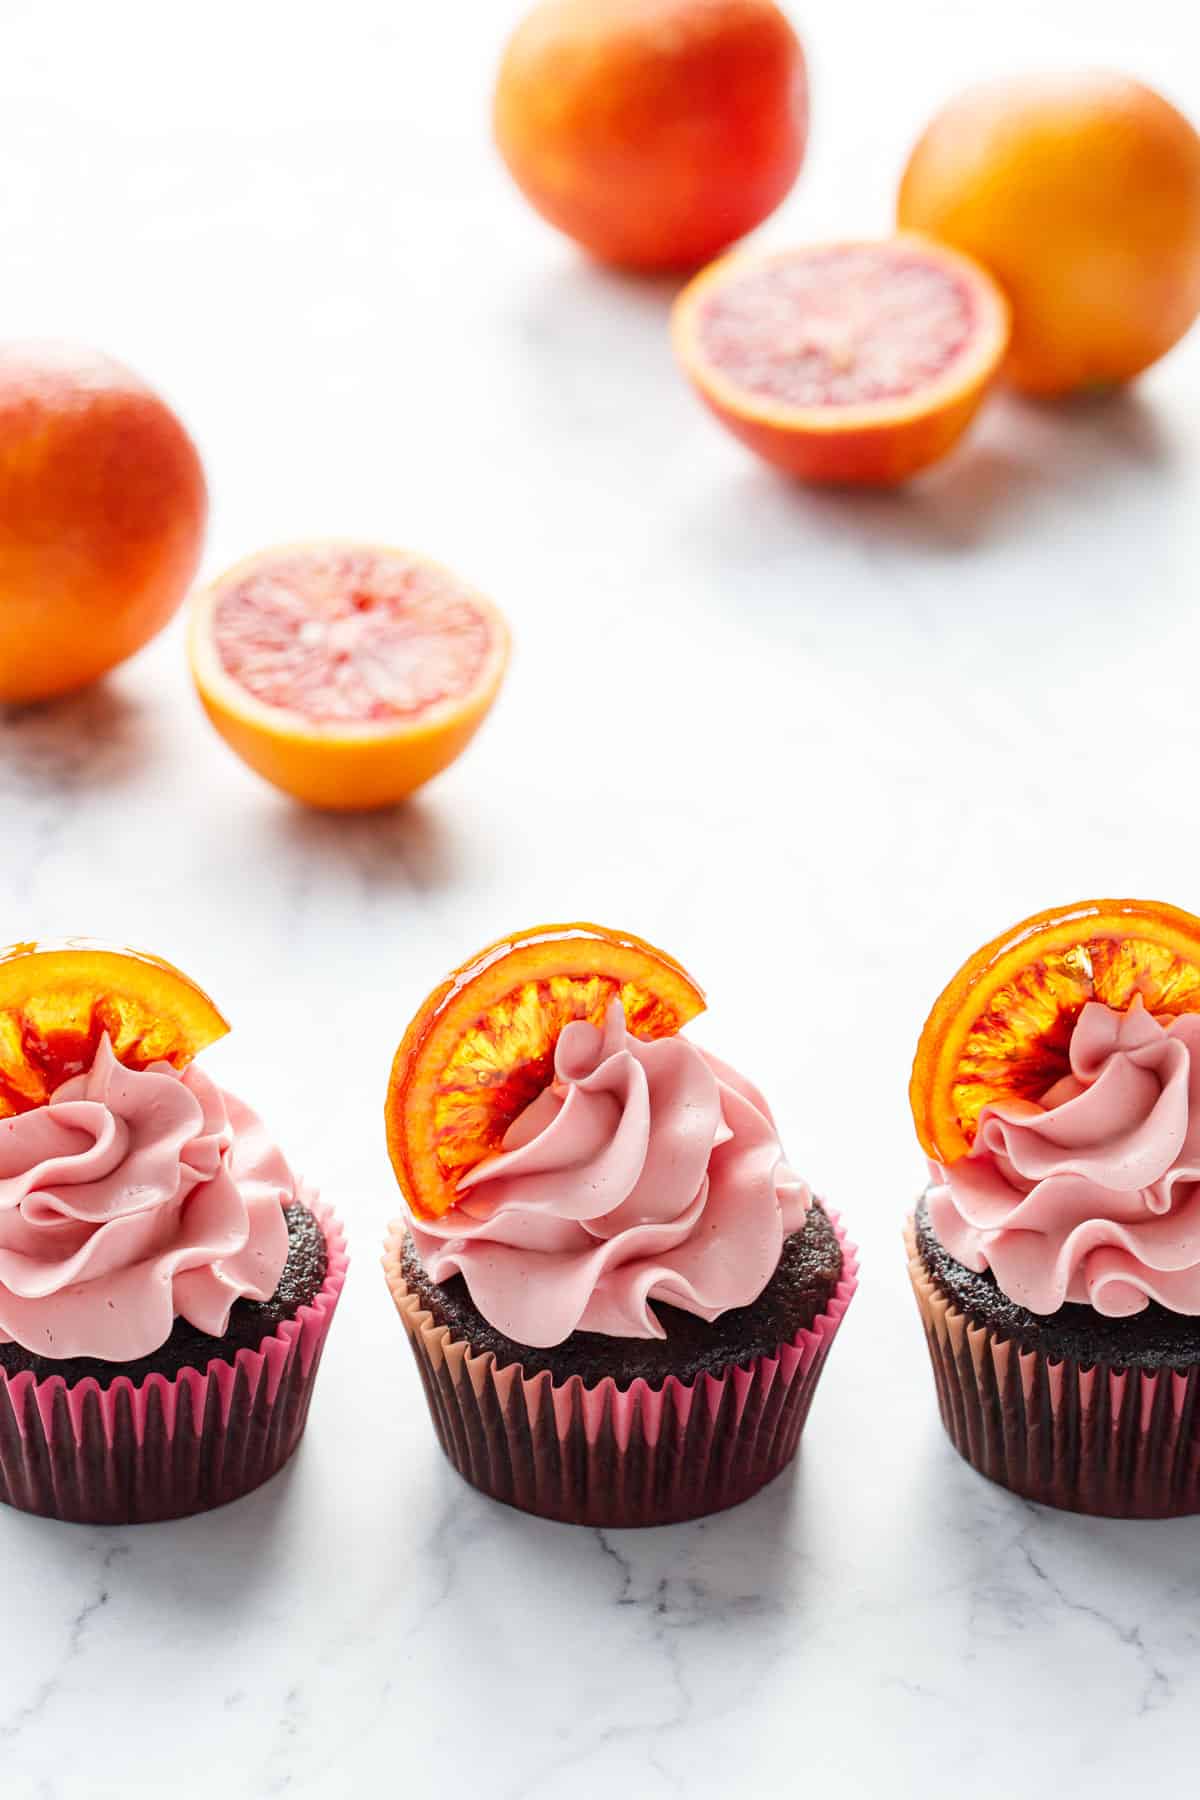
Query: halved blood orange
[
  {"x": 346, "y": 674},
  {"x": 1002, "y": 1028},
  {"x": 856, "y": 363},
  {"x": 58, "y": 1000},
  {"x": 482, "y": 1046}
]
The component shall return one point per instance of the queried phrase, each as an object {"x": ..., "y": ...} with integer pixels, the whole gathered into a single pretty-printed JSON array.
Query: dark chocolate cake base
[
  {"x": 801, "y": 1287},
  {"x": 1077, "y": 1411},
  {"x": 250, "y": 1321},
  {"x": 201, "y": 1422},
  {"x": 614, "y": 1432},
  {"x": 1153, "y": 1339}
]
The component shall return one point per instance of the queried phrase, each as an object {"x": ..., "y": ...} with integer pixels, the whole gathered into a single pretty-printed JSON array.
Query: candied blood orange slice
[
  {"x": 856, "y": 363},
  {"x": 347, "y": 674},
  {"x": 58, "y": 1000},
  {"x": 1002, "y": 1028},
  {"x": 482, "y": 1046}
]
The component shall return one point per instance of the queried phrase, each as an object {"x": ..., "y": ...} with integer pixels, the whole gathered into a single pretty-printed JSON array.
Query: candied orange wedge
[
  {"x": 58, "y": 1000},
  {"x": 482, "y": 1046},
  {"x": 1002, "y": 1029}
]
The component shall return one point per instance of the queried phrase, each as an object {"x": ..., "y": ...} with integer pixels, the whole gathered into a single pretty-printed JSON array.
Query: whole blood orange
[
  {"x": 1002, "y": 1028},
  {"x": 481, "y": 1048},
  {"x": 854, "y": 362},
  {"x": 102, "y": 514},
  {"x": 58, "y": 1000},
  {"x": 653, "y": 132},
  {"x": 344, "y": 673},
  {"x": 1081, "y": 194}
]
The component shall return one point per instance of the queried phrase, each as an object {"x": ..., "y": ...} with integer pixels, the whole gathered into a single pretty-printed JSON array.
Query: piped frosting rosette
[
  {"x": 133, "y": 1198},
  {"x": 1091, "y": 1195},
  {"x": 644, "y": 1172}
]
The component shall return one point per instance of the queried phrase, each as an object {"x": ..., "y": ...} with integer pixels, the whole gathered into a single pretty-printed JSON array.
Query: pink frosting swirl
[
  {"x": 130, "y": 1199},
  {"x": 1093, "y": 1195},
  {"x": 646, "y": 1171}
]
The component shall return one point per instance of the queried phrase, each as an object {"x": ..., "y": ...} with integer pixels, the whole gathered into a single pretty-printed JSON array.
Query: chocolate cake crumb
[
  {"x": 801, "y": 1288},
  {"x": 1153, "y": 1339}
]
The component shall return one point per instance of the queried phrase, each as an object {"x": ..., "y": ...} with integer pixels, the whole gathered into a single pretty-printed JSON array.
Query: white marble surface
[{"x": 819, "y": 747}]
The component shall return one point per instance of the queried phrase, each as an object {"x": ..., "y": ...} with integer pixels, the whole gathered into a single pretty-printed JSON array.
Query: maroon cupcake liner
[
  {"x": 172, "y": 1445},
  {"x": 1098, "y": 1438},
  {"x": 611, "y": 1456}
]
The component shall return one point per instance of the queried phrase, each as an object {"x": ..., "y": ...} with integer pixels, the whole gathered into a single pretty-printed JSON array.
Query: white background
[{"x": 818, "y": 746}]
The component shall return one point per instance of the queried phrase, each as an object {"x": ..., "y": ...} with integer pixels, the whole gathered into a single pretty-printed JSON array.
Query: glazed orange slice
[
  {"x": 482, "y": 1046},
  {"x": 1002, "y": 1029},
  {"x": 58, "y": 1000}
]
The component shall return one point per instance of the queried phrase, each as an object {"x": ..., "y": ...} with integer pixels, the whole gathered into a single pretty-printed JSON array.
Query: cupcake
[
  {"x": 166, "y": 1282},
  {"x": 1055, "y": 1255},
  {"x": 619, "y": 1296}
]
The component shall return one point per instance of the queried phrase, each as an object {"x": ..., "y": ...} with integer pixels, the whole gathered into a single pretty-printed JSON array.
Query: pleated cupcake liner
[
  {"x": 171, "y": 1445},
  {"x": 611, "y": 1456},
  {"x": 1100, "y": 1438}
]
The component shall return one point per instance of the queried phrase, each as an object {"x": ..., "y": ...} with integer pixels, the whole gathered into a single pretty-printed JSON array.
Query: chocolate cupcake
[
  {"x": 166, "y": 1282},
  {"x": 1055, "y": 1256},
  {"x": 618, "y": 1295}
]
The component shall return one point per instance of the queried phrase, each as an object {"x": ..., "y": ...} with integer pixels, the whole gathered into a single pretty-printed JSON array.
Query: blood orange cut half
[
  {"x": 58, "y": 1000},
  {"x": 481, "y": 1048},
  {"x": 855, "y": 363},
  {"x": 1002, "y": 1028},
  {"x": 346, "y": 674}
]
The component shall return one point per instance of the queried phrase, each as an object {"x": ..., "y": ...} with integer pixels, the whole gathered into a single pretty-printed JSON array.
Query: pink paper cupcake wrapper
[
  {"x": 609, "y": 1456},
  {"x": 1122, "y": 1442},
  {"x": 172, "y": 1445}
]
